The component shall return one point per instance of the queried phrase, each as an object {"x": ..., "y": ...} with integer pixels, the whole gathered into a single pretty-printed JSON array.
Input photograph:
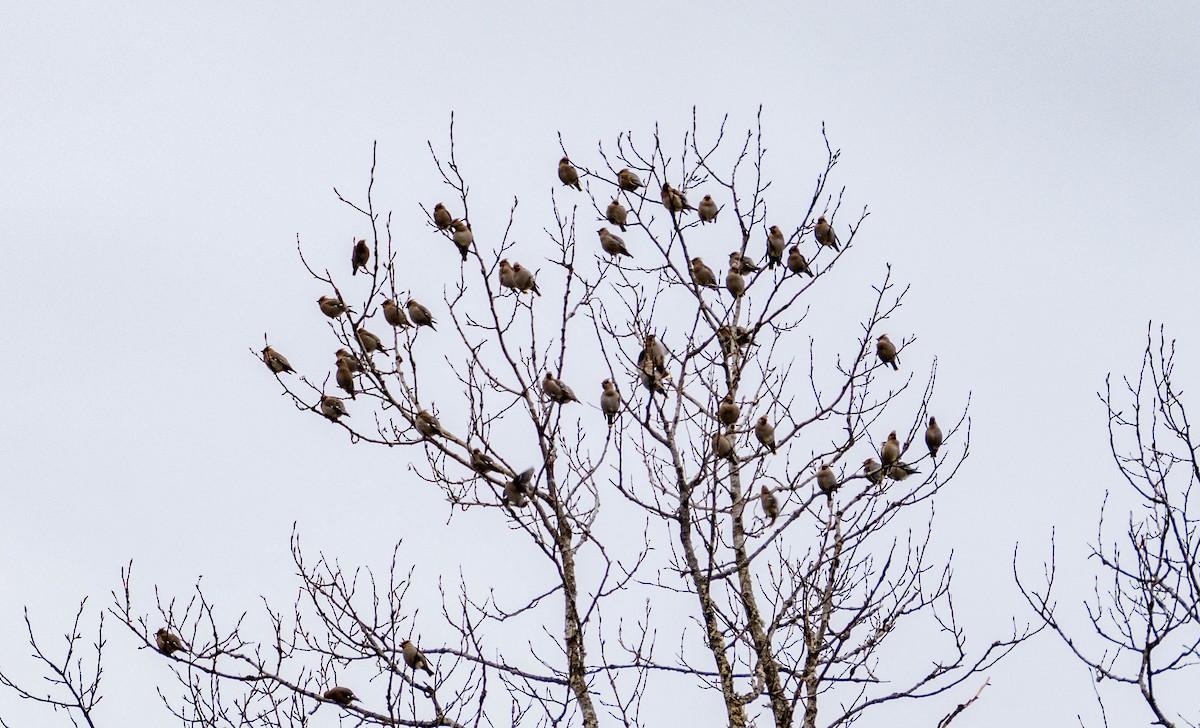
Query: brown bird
[
  {"x": 735, "y": 283},
  {"x": 775, "y": 244},
  {"x": 420, "y": 315},
  {"x": 728, "y": 411},
  {"x": 796, "y": 262},
  {"x": 628, "y": 180},
  {"x": 275, "y": 361},
  {"x": 360, "y": 256},
  {"x": 886, "y": 351},
  {"x": 331, "y": 307},
  {"x": 524, "y": 280},
  {"x": 741, "y": 263},
  {"x": 508, "y": 277},
  {"x": 722, "y": 447},
  {"x": 412, "y": 656},
  {"x": 394, "y": 315},
  {"x": 652, "y": 351},
  {"x": 460, "y": 233},
  {"x": 653, "y": 376},
  {"x": 703, "y": 275},
  {"x": 933, "y": 437},
  {"x": 341, "y": 696},
  {"x": 707, "y": 209},
  {"x": 557, "y": 391},
  {"x": 901, "y": 470},
  {"x": 568, "y": 175},
  {"x": 344, "y": 355},
  {"x": 674, "y": 200},
  {"x": 483, "y": 463},
  {"x": 825, "y": 234},
  {"x": 427, "y": 425},
  {"x": 168, "y": 643},
  {"x": 612, "y": 244},
  {"x": 770, "y": 504},
  {"x": 517, "y": 490},
  {"x": 370, "y": 342},
  {"x": 442, "y": 217},
  {"x": 890, "y": 452},
  {"x": 345, "y": 379},
  {"x": 826, "y": 480},
  {"x": 333, "y": 408},
  {"x": 738, "y": 336},
  {"x": 610, "y": 402},
  {"x": 616, "y": 214},
  {"x": 873, "y": 470},
  {"x": 765, "y": 432}
]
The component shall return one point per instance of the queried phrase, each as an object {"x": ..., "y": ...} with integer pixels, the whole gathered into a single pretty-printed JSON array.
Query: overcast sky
[{"x": 1032, "y": 170}]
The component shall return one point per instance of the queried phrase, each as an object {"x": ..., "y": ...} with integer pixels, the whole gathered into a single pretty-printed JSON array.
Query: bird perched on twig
[
  {"x": 351, "y": 361},
  {"x": 508, "y": 277},
  {"x": 370, "y": 342},
  {"x": 775, "y": 244},
  {"x": 741, "y": 263},
  {"x": 331, "y": 307},
  {"x": 723, "y": 447},
  {"x": 703, "y": 275},
  {"x": 707, "y": 210},
  {"x": 765, "y": 432},
  {"x": 524, "y": 280},
  {"x": 770, "y": 504},
  {"x": 442, "y": 218},
  {"x": 517, "y": 490},
  {"x": 728, "y": 412},
  {"x": 427, "y": 425},
  {"x": 344, "y": 377},
  {"x": 628, "y": 180},
  {"x": 612, "y": 244},
  {"x": 413, "y": 657},
  {"x": 616, "y": 214},
  {"x": 568, "y": 175},
  {"x": 394, "y": 315},
  {"x": 420, "y": 315},
  {"x": 825, "y": 234},
  {"x": 735, "y": 283},
  {"x": 557, "y": 391},
  {"x": 886, "y": 351},
  {"x": 483, "y": 463},
  {"x": 168, "y": 642},
  {"x": 653, "y": 377},
  {"x": 341, "y": 696},
  {"x": 275, "y": 361},
  {"x": 333, "y": 408},
  {"x": 933, "y": 437},
  {"x": 652, "y": 351},
  {"x": 890, "y": 452},
  {"x": 736, "y": 336},
  {"x": 359, "y": 257},
  {"x": 901, "y": 470},
  {"x": 826, "y": 479},
  {"x": 463, "y": 237},
  {"x": 610, "y": 401},
  {"x": 796, "y": 262},
  {"x": 873, "y": 470},
  {"x": 674, "y": 200}
]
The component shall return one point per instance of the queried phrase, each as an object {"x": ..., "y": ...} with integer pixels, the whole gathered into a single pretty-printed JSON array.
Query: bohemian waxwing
[
  {"x": 628, "y": 180},
  {"x": 610, "y": 402},
  {"x": 460, "y": 233},
  {"x": 525, "y": 280},
  {"x": 728, "y": 411},
  {"x": 886, "y": 351},
  {"x": 652, "y": 351},
  {"x": 901, "y": 470},
  {"x": 825, "y": 234},
  {"x": 568, "y": 175},
  {"x": 333, "y": 408},
  {"x": 442, "y": 217},
  {"x": 702, "y": 274},
  {"x": 341, "y": 696},
  {"x": 826, "y": 480},
  {"x": 557, "y": 391},
  {"x": 707, "y": 209},
  {"x": 735, "y": 283},
  {"x": 394, "y": 315},
  {"x": 168, "y": 643},
  {"x": 344, "y": 355},
  {"x": 344, "y": 377},
  {"x": 420, "y": 315},
  {"x": 933, "y": 437},
  {"x": 796, "y": 262},
  {"x": 770, "y": 504},
  {"x": 359, "y": 257},
  {"x": 483, "y": 463},
  {"x": 413, "y": 657},
  {"x": 873, "y": 470},
  {"x": 331, "y": 307},
  {"x": 723, "y": 447},
  {"x": 275, "y": 361},
  {"x": 612, "y": 244},
  {"x": 674, "y": 200},
  {"x": 616, "y": 214},
  {"x": 765, "y": 432},
  {"x": 370, "y": 342},
  {"x": 741, "y": 263},
  {"x": 517, "y": 490},
  {"x": 427, "y": 424},
  {"x": 775, "y": 245},
  {"x": 890, "y": 452}
]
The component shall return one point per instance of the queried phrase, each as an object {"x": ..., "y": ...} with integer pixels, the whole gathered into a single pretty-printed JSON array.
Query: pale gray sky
[{"x": 1032, "y": 170}]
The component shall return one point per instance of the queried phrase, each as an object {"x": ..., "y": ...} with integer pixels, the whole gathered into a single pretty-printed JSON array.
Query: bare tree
[
  {"x": 734, "y": 521},
  {"x": 72, "y": 681},
  {"x": 1142, "y": 621}
]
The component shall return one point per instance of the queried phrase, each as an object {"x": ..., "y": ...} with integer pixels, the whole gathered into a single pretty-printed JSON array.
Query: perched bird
[
  {"x": 707, "y": 209},
  {"x": 873, "y": 470},
  {"x": 370, "y": 342},
  {"x": 333, "y": 408},
  {"x": 770, "y": 504},
  {"x": 344, "y": 355},
  {"x": 524, "y": 280},
  {"x": 735, "y": 283},
  {"x": 442, "y": 217},
  {"x": 420, "y": 315},
  {"x": 610, "y": 402},
  {"x": 886, "y": 351},
  {"x": 628, "y": 181},
  {"x": 612, "y": 244},
  {"x": 652, "y": 351},
  {"x": 728, "y": 411},
  {"x": 413, "y": 657},
  {"x": 674, "y": 200},
  {"x": 557, "y": 391},
  {"x": 460, "y": 233},
  {"x": 360, "y": 256},
  {"x": 483, "y": 463},
  {"x": 616, "y": 214},
  {"x": 703, "y": 275},
  {"x": 341, "y": 696},
  {"x": 826, "y": 480},
  {"x": 508, "y": 276},
  {"x": 737, "y": 336},
  {"x": 331, "y": 307},
  {"x": 168, "y": 642},
  {"x": 765, "y": 432},
  {"x": 890, "y": 452},
  {"x": 394, "y": 315},
  {"x": 741, "y": 263},
  {"x": 517, "y": 490},
  {"x": 796, "y": 262},
  {"x": 344, "y": 377},
  {"x": 427, "y": 425},
  {"x": 568, "y": 175},
  {"x": 825, "y": 234},
  {"x": 653, "y": 377},
  {"x": 901, "y": 470},
  {"x": 275, "y": 361},
  {"x": 775, "y": 244},
  {"x": 933, "y": 437},
  {"x": 722, "y": 447}
]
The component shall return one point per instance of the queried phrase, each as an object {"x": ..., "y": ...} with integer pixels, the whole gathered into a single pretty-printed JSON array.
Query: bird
[
  {"x": 796, "y": 262},
  {"x": 420, "y": 315},
  {"x": 886, "y": 351},
  {"x": 738, "y": 336},
  {"x": 556, "y": 390},
  {"x": 517, "y": 490},
  {"x": 653, "y": 376},
  {"x": 654, "y": 351},
  {"x": 524, "y": 279},
  {"x": 360, "y": 256},
  {"x": 275, "y": 361},
  {"x": 394, "y": 315},
  {"x": 345, "y": 379},
  {"x": 735, "y": 283},
  {"x": 825, "y": 234},
  {"x": 442, "y": 217},
  {"x": 741, "y": 263},
  {"x": 765, "y": 432},
  {"x": 413, "y": 657},
  {"x": 568, "y": 174},
  {"x": 707, "y": 209},
  {"x": 901, "y": 470},
  {"x": 460, "y": 233},
  {"x": 873, "y": 470},
  {"x": 770, "y": 504},
  {"x": 331, "y": 307},
  {"x": 508, "y": 277},
  {"x": 333, "y": 408},
  {"x": 612, "y": 244},
  {"x": 628, "y": 180},
  {"x": 890, "y": 452},
  {"x": 703, "y": 275},
  {"x": 427, "y": 425},
  {"x": 483, "y": 463},
  {"x": 775, "y": 245},
  {"x": 826, "y": 480},
  {"x": 728, "y": 411},
  {"x": 933, "y": 437},
  {"x": 616, "y": 214},
  {"x": 722, "y": 447},
  {"x": 344, "y": 355},
  {"x": 168, "y": 642},
  {"x": 610, "y": 401},
  {"x": 341, "y": 696},
  {"x": 370, "y": 342},
  {"x": 674, "y": 200}
]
